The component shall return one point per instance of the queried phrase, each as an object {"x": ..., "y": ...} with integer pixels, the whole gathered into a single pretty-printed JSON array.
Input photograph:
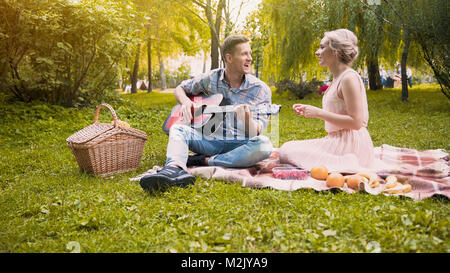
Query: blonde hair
[{"x": 345, "y": 43}]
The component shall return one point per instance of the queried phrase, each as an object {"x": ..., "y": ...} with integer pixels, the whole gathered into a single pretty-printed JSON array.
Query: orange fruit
[
  {"x": 335, "y": 180},
  {"x": 319, "y": 172},
  {"x": 353, "y": 181}
]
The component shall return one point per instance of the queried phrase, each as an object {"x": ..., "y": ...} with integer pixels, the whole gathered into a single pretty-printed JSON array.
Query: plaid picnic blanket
[{"x": 426, "y": 171}]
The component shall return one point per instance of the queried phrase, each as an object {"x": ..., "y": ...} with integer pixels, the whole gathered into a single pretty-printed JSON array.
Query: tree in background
[
  {"x": 213, "y": 11},
  {"x": 216, "y": 14},
  {"x": 427, "y": 23},
  {"x": 168, "y": 30},
  {"x": 290, "y": 28},
  {"x": 421, "y": 27},
  {"x": 62, "y": 52},
  {"x": 390, "y": 32}
]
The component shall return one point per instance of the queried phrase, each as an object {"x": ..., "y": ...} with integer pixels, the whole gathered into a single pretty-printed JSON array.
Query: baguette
[{"x": 399, "y": 188}]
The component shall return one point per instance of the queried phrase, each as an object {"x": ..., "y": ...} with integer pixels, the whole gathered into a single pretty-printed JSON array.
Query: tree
[
  {"x": 292, "y": 33},
  {"x": 428, "y": 24},
  {"x": 214, "y": 24},
  {"x": 169, "y": 31},
  {"x": 214, "y": 16},
  {"x": 134, "y": 75},
  {"x": 61, "y": 52},
  {"x": 421, "y": 23}
]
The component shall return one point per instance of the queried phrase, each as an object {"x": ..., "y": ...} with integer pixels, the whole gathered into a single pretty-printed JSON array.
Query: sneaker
[
  {"x": 196, "y": 160},
  {"x": 169, "y": 176}
]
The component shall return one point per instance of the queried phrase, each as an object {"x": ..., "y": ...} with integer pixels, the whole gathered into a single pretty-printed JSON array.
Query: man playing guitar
[{"x": 237, "y": 142}]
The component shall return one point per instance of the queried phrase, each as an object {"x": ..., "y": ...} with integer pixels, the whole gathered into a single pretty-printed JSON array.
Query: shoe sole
[{"x": 159, "y": 182}]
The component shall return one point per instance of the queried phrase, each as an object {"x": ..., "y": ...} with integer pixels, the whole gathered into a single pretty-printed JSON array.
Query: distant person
[
  {"x": 383, "y": 75},
  {"x": 390, "y": 78},
  {"x": 409, "y": 76},
  {"x": 398, "y": 76},
  {"x": 127, "y": 89}
]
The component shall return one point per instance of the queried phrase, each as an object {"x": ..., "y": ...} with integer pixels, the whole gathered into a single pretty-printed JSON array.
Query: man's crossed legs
[{"x": 239, "y": 153}]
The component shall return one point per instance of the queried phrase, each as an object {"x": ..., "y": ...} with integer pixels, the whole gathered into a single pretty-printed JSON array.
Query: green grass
[{"x": 46, "y": 202}]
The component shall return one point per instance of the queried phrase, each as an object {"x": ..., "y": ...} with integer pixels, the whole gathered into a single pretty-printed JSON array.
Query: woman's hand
[{"x": 308, "y": 111}]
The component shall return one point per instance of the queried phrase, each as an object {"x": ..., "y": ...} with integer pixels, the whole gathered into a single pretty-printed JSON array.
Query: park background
[{"x": 60, "y": 59}]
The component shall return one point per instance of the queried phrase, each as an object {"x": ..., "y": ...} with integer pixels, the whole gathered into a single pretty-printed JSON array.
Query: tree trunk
[
  {"x": 134, "y": 76},
  {"x": 438, "y": 73},
  {"x": 373, "y": 70},
  {"x": 214, "y": 30},
  {"x": 162, "y": 72},
  {"x": 257, "y": 59},
  {"x": 403, "y": 65},
  {"x": 204, "y": 62},
  {"x": 149, "y": 64}
]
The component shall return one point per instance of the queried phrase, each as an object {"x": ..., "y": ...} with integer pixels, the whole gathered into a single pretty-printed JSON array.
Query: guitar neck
[{"x": 211, "y": 109}]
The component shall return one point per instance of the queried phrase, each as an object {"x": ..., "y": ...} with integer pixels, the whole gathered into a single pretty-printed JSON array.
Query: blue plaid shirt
[{"x": 251, "y": 90}]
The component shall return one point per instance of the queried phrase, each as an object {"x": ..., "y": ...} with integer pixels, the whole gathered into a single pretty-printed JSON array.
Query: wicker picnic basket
[{"x": 107, "y": 148}]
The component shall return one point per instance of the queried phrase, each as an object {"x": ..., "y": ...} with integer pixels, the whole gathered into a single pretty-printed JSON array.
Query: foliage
[
  {"x": 171, "y": 28},
  {"x": 46, "y": 202},
  {"x": 428, "y": 21},
  {"x": 173, "y": 78},
  {"x": 61, "y": 52},
  {"x": 291, "y": 29},
  {"x": 168, "y": 31},
  {"x": 299, "y": 90}
]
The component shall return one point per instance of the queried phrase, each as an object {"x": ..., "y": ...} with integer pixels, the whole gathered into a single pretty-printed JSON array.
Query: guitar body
[{"x": 200, "y": 119}]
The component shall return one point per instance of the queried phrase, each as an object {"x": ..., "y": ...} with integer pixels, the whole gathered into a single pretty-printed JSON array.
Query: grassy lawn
[{"x": 46, "y": 202}]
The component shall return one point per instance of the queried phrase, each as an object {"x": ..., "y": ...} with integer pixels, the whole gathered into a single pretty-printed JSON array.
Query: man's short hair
[{"x": 229, "y": 44}]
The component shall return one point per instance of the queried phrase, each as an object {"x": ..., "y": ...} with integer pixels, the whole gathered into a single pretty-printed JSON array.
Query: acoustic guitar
[{"x": 210, "y": 112}]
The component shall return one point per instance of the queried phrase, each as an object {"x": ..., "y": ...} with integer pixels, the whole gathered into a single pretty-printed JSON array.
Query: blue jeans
[{"x": 226, "y": 153}]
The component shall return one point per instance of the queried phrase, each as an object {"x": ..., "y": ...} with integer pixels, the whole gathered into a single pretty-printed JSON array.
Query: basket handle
[{"x": 116, "y": 123}]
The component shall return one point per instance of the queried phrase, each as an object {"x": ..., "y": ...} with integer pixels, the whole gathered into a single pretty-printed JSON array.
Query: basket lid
[{"x": 90, "y": 132}]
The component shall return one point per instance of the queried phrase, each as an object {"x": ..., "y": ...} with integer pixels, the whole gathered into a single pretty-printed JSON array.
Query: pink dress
[{"x": 342, "y": 150}]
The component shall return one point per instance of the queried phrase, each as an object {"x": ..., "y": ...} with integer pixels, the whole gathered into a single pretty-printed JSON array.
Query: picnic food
[
  {"x": 370, "y": 176},
  {"x": 399, "y": 188},
  {"x": 394, "y": 185},
  {"x": 335, "y": 180},
  {"x": 374, "y": 183},
  {"x": 353, "y": 181},
  {"x": 122, "y": 123},
  {"x": 291, "y": 173},
  {"x": 319, "y": 172},
  {"x": 391, "y": 182},
  {"x": 372, "y": 179}
]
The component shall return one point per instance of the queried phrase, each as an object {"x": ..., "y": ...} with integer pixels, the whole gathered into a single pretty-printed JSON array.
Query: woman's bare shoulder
[
  {"x": 350, "y": 78},
  {"x": 350, "y": 82}
]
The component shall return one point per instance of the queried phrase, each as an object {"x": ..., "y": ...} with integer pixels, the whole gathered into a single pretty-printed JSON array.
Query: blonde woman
[{"x": 348, "y": 145}]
